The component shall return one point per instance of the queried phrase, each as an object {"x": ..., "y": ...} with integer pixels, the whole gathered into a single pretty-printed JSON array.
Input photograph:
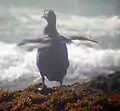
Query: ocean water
[{"x": 22, "y": 19}]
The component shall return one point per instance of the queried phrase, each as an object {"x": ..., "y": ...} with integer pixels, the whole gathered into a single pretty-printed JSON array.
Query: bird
[{"x": 52, "y": 57}]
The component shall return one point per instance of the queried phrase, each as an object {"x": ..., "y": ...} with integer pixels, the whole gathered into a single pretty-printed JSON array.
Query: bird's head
[{"x": 49, "y": 16}]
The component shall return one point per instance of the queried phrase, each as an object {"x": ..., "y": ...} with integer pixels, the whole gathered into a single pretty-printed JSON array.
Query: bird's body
[{"x": 53, "y": 61}]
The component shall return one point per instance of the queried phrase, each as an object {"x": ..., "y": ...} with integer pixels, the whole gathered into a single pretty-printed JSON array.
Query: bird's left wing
[
  {"x": 71, "y": 38},
  {"x": 83, "y": 38}
]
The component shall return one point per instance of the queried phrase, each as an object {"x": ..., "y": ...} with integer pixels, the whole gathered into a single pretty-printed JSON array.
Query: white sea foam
[
  {"x": 97, "y": 26},
  {"x": 71, "y": 24}
]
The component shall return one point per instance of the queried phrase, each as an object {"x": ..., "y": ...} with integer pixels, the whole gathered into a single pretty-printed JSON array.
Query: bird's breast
[{"x": 56, "y": 54}]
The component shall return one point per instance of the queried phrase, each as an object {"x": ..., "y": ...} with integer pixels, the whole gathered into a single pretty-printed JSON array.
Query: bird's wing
[
  {"x": 83, "y": 39},
  {"x": 30, "y": 44},
  {"x": 69, "y": 40},
  {"x": 43, "y": 39},
  {"x": 28, "y": 41}
]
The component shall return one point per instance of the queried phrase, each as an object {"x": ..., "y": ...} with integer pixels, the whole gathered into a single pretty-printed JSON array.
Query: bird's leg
[
  {"x": 61, "y": 83},
  {"x": 43, "y": 83}
]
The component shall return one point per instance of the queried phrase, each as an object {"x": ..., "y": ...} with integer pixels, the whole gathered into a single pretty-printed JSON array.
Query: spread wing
[
  {"x": 83, "y": 38},
  {"x": 71, "y": 38},
  {"x": 43, "y": 39},
  {"x": 30, "y": 44}
]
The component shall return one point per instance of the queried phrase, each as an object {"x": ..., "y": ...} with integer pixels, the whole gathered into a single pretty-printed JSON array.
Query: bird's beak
[{"x": 43, "y": 16}]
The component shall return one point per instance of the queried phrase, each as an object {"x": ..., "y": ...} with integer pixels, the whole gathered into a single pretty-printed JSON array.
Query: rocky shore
[{"x": 96, "y": 95}]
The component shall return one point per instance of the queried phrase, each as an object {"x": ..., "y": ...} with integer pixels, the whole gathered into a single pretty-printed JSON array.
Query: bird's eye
[{"x": 46, "y": 10}]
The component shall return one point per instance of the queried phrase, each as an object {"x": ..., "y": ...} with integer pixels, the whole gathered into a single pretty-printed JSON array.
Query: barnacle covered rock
[{"x": 75, "y": 97}]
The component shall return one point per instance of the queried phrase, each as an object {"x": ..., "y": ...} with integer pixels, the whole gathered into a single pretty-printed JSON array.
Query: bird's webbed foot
[{"x": 42, "y": 87}]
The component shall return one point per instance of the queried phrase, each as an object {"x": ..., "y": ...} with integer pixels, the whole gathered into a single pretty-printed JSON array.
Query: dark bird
[{"x": 52, "y": 57}]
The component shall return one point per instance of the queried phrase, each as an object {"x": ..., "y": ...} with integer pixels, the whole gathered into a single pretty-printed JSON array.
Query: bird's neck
[
  {"x": 51, "y": 24},
  {"x": 51, "y": 30}
]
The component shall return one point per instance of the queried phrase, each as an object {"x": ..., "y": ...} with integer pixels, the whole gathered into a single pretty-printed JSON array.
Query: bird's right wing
[
  {"x": 36, "y": 40},
  {"x": 30, "y": 44}
]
